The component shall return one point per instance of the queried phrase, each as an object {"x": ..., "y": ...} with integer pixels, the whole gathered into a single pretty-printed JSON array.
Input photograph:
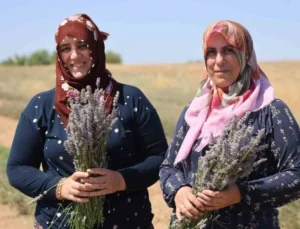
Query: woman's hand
[
  {"x": 73, "y": 190},
  {"x": 107, "y": 182},
  {"x": 216, "y": 200},
  {"x": 187, "y": 204}
]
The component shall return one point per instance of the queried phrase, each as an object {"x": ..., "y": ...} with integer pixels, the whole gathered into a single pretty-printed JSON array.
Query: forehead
[
  {"x": 216, "y": 40},
  {"x": 70, "y": 40}
]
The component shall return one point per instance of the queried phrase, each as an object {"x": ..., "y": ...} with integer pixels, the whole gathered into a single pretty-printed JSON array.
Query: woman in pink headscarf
[{"x": 233, "y": 84}]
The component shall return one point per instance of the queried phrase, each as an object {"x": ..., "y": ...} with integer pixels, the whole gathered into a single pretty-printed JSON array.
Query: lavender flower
[
  {"x": 40, "y": 196},
  {"x": 87, "y": 133},
  {"x": 232, "y": 157},
  {"x": 73, "y": 93}
]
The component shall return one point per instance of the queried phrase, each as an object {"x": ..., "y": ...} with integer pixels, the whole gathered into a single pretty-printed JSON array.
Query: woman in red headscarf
[
  {"x": 135, "y": 147},
  {"x": 232, "y": 85}
]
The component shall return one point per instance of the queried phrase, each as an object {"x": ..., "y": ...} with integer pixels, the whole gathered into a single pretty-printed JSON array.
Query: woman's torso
[{"x": 129, "y": 209}]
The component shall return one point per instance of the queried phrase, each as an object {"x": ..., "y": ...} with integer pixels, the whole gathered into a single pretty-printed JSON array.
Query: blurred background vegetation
[{"x": 44, "y": 57}]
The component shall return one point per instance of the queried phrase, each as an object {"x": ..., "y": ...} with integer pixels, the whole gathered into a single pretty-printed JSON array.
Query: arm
[
  {"x": 172, "y": 177},
  {"x": 284, "y": 186},
  {"x": 25, "y": 159},
  {"x": 152, "y": 144}
]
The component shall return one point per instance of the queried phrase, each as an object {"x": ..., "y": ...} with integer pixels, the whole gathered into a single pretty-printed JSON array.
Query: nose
[
  {"x": 74, "y": 54},
  {"x": 219, "y": 58}
]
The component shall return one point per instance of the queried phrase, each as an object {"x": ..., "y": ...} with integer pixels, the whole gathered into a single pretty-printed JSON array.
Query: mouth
[
  {"x": 222, "y": 71},
  {"x": 80, "y": 65}
]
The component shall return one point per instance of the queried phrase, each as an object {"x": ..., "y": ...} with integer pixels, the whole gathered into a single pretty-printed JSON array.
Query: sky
[{"x": 153, "y": 31}]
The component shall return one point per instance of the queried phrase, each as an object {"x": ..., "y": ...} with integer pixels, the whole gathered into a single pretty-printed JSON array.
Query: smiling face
[
  {"x": 222, "y": 64},
  {"x": 75, "y": 54}
]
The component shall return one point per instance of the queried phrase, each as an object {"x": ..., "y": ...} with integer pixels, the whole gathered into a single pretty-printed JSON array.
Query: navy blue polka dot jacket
[{"x": 136, "y": 148}]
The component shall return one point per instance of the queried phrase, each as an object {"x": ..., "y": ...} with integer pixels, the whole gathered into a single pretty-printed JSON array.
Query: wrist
[
  {"x": 182, "y": 189},
  {"x": 58, "y": 191},
  {"x": 237, "y": 194},
  {"x": 122, "y": 184}
]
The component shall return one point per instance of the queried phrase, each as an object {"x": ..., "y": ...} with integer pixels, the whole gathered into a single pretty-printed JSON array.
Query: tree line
[{"x": 44, "y": 57}]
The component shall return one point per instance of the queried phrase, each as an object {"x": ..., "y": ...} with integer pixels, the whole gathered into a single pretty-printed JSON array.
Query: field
[{"x": 169, "y": 88}]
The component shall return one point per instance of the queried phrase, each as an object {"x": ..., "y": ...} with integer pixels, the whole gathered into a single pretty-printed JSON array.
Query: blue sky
[{"x": 154, "y": 31}]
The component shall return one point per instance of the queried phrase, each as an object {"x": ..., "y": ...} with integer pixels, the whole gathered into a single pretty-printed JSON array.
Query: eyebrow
[
  {"x": 226, "y": 46},
  {"x": 63, "y": 45},
  {"x": 67, "y": 44}
]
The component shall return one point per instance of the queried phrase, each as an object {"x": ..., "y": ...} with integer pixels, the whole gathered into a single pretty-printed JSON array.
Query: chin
[
  {"x": 78, "y": 75},
  {"x": 223, "y": 84}
]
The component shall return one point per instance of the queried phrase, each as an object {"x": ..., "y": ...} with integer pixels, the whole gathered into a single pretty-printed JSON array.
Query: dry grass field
[{"x": 169, "y": 87}]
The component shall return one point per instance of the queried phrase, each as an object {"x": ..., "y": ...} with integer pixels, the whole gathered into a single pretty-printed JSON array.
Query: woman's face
[
  {"x": 75, "y": 54},
  {"x": 222, "y": 64}
]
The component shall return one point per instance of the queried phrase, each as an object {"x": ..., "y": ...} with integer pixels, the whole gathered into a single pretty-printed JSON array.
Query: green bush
[
  {"x": 44, "y": 57},
  {"x": 113, "y": 58},
  {"x": 16, "y": 60},
  {"x": 40, "y": 57}
]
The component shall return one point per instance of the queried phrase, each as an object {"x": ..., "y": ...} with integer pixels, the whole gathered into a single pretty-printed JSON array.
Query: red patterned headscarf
[{"x": 82, "y": 27}]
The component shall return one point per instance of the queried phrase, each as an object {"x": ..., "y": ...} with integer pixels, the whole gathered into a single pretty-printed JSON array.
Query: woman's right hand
[
  {"x": 74, "y": 190},
  {"x": 187, "y": 204}
]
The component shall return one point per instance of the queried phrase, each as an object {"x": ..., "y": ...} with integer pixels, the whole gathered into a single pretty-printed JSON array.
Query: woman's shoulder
[
  {"x": 279, "y": 104},
  {"x": 41, "y": 101},
  {"x": 275, "y": 106},
  {"x": 133, "y": 101},
  {"x": 281, "y": 111},
  {"x": 130, "y": 90},
  {"x": 44, "y": 95},
  {"x": 275, "y": 114},
  {"x": 133, "y": 96},
  {"x": 275, "y": 109}
]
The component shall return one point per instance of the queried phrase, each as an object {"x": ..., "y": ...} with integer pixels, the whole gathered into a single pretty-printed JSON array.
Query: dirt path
[
  {"x": 9, "y": 218},
  {"x": 8, "y": 127}
]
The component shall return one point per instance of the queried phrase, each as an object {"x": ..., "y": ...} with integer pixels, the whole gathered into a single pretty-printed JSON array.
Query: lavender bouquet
[
  {"x": 87, "y": 132},
  {"x": 232, "y": 157}
]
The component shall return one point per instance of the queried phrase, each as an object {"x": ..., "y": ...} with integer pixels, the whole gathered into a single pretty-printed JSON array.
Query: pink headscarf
[{"x": 211, "y": 110}]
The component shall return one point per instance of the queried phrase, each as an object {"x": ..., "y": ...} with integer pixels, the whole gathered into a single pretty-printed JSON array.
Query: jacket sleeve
[
  {"x": 151, "y": 143},
  {"x": 26, "y": 156},
  {"x": 284, "y": 185},
  {"x": 172, "y": 177}
]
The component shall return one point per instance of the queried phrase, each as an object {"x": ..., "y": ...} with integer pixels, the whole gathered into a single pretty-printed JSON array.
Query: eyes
[
  {"x": 227, "y": 50},
  {"x": 66, "y": 48}
]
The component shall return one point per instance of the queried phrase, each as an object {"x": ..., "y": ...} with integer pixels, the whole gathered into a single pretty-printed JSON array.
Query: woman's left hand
[
  {"x": 216, "y": 200},
  {"x": 107, "y": 182}
]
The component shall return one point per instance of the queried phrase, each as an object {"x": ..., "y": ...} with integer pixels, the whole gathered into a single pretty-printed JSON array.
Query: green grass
[
  {"x": 9, "y": 195},
  {"x": 3, "y": 158}
]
